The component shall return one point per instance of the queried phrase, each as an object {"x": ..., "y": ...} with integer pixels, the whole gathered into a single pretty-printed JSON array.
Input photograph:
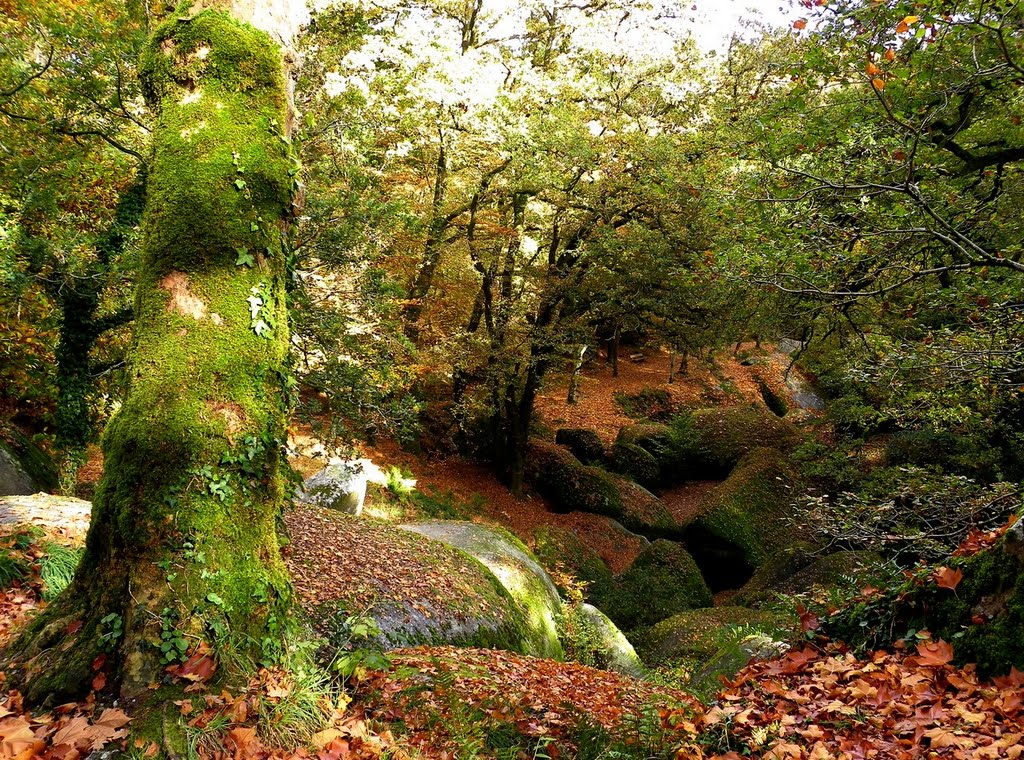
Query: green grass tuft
[{"x": 57, "y": 568}]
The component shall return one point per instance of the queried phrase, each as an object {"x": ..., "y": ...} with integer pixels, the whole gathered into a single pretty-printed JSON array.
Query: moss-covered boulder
[
  {"x": 778, "y": 568},
  {"x": 586, "y": 445},
  {"x": 662, "y": 581},
  {"x": 725, "y": 435},
  {"x": 568, "y": 484},
  {"x": 516, "y": 569},
  {"x": 695, "y": 635},
  {"x": 744, "y": 519},
  {"x": 707, "y": 443},
  {"x": 24, "y": 468},
  {"x": 560, "y": 550},
  {"x": 417, "y": 590},
  {"x": 645, "y": 513},
  {"x": 612, "y": 650},
  {"x": 636, "y": 463}
]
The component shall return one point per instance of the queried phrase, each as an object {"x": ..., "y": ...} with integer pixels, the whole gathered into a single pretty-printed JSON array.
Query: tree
[
  {"x": 883, "y": 156},
  {"x": 73, "y": 131},
  {"x": 182, "y": 551}
]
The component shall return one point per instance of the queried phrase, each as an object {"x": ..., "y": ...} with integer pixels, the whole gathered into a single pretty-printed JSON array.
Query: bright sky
[{"x": 713, "y": 21}]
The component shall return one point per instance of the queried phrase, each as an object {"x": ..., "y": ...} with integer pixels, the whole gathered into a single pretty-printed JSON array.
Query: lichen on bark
[{"x": 183, "y": 534}]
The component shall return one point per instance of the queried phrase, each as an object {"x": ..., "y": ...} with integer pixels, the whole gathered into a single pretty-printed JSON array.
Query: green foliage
[
  {"x": 909, "y": 513},
  {"x": 57, "y": 568},
  {"x": 12, "y": 568}
]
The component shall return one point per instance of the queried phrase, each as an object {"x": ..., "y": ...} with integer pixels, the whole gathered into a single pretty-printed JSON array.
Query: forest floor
[{"x": 816, "y": 702}]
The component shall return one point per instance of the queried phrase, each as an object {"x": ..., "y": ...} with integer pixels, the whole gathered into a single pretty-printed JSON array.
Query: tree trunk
[
  {"x": 613, "y": 352},
  {"x": 182, "y": 549},
  {"x": 574, "y": 379},
  {"x": 671, "y": 368}
]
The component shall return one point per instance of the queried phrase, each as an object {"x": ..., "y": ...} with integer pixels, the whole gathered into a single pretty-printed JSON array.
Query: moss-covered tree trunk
[{"x": 182, "y": 550}]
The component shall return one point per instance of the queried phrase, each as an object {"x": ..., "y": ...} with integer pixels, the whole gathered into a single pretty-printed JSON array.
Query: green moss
[
  {"x": 695, "y": 636},
  {"x": 586, "y": 445},
  {"x": 748, "y": 510},
  {"x": 636, "y": 463},
  {"x": 662, "y": 581},
  {"x": 560, "y": 550},
  {"x": 569, "y": 484}
]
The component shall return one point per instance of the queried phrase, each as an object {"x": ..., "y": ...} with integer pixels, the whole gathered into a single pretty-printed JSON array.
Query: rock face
[
  {"x": 14, "y": 481},
  {"x": 515, "y": 568},
  {"x": 615, "y": 651},
  {"x": 340, "y": 486}
]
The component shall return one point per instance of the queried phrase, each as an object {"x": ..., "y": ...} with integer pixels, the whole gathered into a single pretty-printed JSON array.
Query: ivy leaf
[
  {"x": 212, "y": 597},
  {"x": 261, "y": 328},
  {"x": 244, "y": 258},
  {"x": 255, "y": 304},
  {"x": 240, "y": 184}
]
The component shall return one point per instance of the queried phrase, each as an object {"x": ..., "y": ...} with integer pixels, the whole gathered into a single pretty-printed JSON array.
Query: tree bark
[
  {"x": 574, "y": 380},
  {"x": 182, "y": 550}
]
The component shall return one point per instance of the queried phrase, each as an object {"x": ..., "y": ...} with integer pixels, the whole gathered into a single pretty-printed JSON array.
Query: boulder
[
  {"x": 14, "y": 481},
  {"x": 341, "y": 486},
  {"x": 742, "y": 524},
  {"x": 417, "y": 590},
  {"x": 708, "y": 443},
  {"x": 561, "y": 550},
  {"x": 569, "y": 485},
  {"x": 24, "y": 468},
  {"x": 695, "y": 636},
  {"x": 662, "y": 581},
  {"x": 607, "y": 647},
  {"x": 515, "y": 567},
  {"x": 62, "y": 514},
  {"x": 586, "y": 445},
  {"x": 636, "y": 463}
]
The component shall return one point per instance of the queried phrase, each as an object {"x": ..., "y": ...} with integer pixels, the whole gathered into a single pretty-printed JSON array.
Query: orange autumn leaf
[
  {"x": 946, "y": 577},
  {"x": 879, "y": 84},
  {"x": 873, "y": 70},
  {"x": 800, "y": 23},
  {"x": 934, "y": 653},
  {"x": 890, "y": 55}
]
